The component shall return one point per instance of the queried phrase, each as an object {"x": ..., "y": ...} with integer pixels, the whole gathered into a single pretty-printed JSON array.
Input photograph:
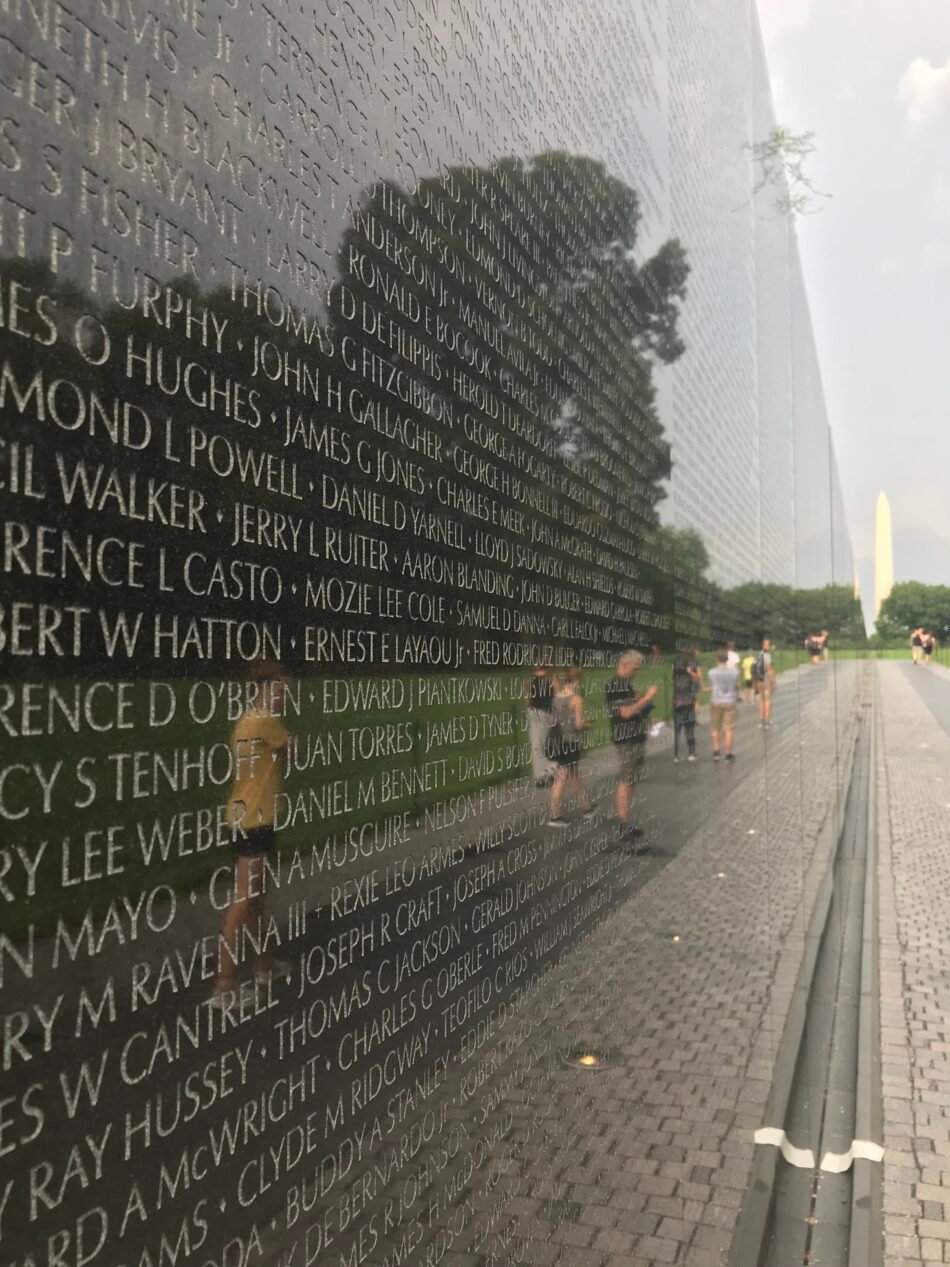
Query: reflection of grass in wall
[{"x": 470, "y": 765}]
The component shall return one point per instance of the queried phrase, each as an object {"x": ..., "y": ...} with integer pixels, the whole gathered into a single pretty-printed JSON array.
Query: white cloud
[
  {"x": 924, "y": 89},
  {"x": 779, "y": 16}
]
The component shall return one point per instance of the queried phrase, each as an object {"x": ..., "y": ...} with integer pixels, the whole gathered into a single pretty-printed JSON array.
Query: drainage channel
[
  {"x": 829, "y": 1095},
  {"x": 811, "y": 1215}
]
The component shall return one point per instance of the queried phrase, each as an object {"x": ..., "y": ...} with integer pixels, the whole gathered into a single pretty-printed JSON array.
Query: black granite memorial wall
[{"x": 392, "y": 394}]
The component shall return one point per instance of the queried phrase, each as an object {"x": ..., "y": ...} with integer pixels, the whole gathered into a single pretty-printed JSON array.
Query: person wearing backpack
[
  {"x": 763, "y": 676},
  {"x": 563, "y": 745}
]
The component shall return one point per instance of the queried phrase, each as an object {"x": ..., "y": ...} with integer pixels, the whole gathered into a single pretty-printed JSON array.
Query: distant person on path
[
  {"x": 763, "y": 675},
  {"x": 748, "y": 685},
  {"x": 930, "y": 645},
  {"x": 685, "y": 676},
  {"x": 628, "y": 710},
  {"x": 813, "y": 647},
  {"x": 732, "y": 656},
  {"x": 825, "y": 654},
  {"x": 539, "y": 694},
  {"x": 699, "y": 683},
  {"x": 564, "y": 745},
  {"x": 916, "y": 645},
  {"x": 724, "y": 685},
  {"x": 259, "y": 746}
]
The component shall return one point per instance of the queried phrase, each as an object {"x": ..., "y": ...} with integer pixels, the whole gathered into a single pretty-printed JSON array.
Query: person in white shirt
[
  {"x": 732, "y": 656},
  {"x": 724, "y": 685}
]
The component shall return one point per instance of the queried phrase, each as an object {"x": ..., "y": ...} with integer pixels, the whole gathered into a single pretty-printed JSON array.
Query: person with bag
[
  {"x": 686, "y": 677},
  {"x": 628, "y": 710},
  {"x": 763, "y": 676},
  {"x": 563, "y": 745}
]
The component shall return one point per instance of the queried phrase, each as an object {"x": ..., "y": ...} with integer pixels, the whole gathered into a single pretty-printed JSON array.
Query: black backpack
[{"x": 758, "y": 669}]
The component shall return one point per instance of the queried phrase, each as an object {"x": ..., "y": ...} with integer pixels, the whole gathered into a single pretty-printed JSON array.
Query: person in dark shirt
[
  {"x": 628, "y": 710},
  {"x": 538, "y": 696},
  {"x": 686, "y": 676}
]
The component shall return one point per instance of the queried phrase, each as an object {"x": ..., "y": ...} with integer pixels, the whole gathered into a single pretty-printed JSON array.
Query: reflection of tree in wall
[
  {"x": 510, "y": 294},
  {"x": 547, "y": 312},
  {"x": 911, "y": 605}
]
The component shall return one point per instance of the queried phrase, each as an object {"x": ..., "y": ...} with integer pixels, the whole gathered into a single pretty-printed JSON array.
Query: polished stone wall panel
[{"x": 363, "y": 365}]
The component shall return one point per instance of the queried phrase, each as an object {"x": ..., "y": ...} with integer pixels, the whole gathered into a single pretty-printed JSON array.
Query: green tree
[{"x": 911, "y": 604}]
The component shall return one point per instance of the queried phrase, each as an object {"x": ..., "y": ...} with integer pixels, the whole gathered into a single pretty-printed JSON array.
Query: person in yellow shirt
[
  {"x": 259, "y": 747},
  {"x": 748, "y": 686}
]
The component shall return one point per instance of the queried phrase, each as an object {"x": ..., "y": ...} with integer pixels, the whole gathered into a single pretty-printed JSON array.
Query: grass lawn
[{"x": 433, "y": 749}]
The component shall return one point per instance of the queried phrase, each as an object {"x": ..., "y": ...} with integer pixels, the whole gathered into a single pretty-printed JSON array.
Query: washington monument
[{"x": 883, "y": 553}]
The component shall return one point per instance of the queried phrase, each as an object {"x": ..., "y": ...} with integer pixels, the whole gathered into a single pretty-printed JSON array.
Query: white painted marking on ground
[
  {"x": 838, "y": 1163},
  {"x": 804, "y": 1158}
]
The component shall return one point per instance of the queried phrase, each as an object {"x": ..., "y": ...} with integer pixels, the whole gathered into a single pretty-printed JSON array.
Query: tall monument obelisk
[{"x": 883, "y": 553}]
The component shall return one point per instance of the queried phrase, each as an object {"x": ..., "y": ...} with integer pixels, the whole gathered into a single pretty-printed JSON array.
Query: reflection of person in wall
[
  {"x": 917, "y": 645},
  {"x": 564, "y": 745},
  {"x": 259, "y": 744},
  {"x": 748, "y": 685},
  {"x": 724, "y": 685},
  {"x": 824, "y": 644},
  {"x": 685, "y": 679},
  {"x": 763, "y": 674},
  {"x": 539, "y": 692},
  {"x": 813, "y": 647},
  {"x": 628, "y": 711}
]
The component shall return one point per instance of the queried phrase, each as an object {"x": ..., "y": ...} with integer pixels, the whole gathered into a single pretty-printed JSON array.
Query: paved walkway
[
  {"x": 683, "y": 991},
  {"x": 914, "y": 874}
]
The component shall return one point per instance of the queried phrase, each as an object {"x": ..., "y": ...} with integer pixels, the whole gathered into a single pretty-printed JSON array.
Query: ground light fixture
[{"x": 589, "y": 1056}]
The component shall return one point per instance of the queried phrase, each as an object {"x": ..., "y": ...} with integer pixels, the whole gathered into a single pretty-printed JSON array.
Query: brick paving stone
[{"x": 913, "y": 810}]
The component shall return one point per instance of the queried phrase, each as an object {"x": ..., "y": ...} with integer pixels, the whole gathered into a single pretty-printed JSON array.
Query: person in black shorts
[
  {"x": 564, "y": 739},
  {"x": 929, "y": 646},
  {"x": 628, "y": 710},
  {"x": 916, "y": 645},
  {"x": 686, "y": 675}
]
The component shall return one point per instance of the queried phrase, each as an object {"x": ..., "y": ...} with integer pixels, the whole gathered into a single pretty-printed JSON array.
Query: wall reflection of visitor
[
  {"x": 656, "y": 655},
  {"x": 917, "y": 645},
  {"x": 763, "y": 675},
  {"x": 724, "y": 687},
  {"x": 628, "y": 711},
  {"x": 539, "y": 693},
  {"x": 684, "y": 705},
  {"x": 564, "y": 745},
  {"x": 259, "y": 743},
  {"x": 748, "y": 685},
  {"x": 813, "y": 647},
  {"x": 824, "y": 644}
]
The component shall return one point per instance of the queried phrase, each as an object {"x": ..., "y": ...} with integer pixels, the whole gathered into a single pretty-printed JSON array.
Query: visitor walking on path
[
  {"x": 724, "y": 687},
  {"x": 748, "y": 685},
  {"x": 763, "y": 674},
  {"x": 539, "y": 694},
  {"x": 259, "y": 746},
  {"x": 564, "y": 745},
  {"x": 628, "y": 710},
  {"x": 685, "y": 677}
]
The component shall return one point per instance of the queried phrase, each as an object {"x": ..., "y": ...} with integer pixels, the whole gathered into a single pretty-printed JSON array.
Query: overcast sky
[{"x": 871, "y": 78}]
